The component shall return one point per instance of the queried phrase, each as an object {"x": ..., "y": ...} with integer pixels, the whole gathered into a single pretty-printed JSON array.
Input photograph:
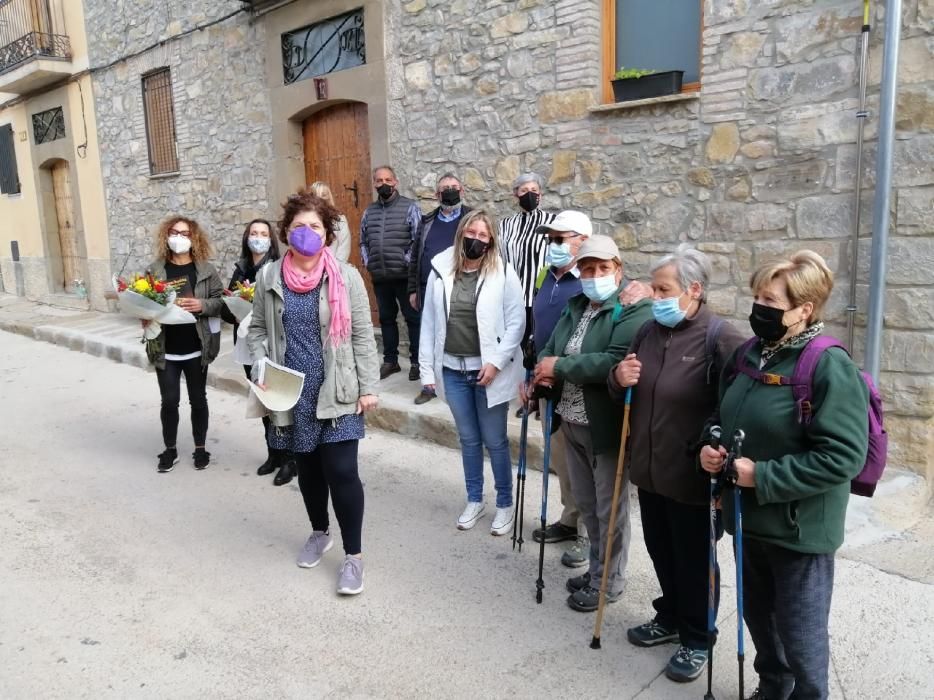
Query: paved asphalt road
[{"x": 116, "y": 581}]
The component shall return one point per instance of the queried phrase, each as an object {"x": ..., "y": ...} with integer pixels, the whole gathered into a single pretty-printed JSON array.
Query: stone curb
[{"x": 395, "y": 414}]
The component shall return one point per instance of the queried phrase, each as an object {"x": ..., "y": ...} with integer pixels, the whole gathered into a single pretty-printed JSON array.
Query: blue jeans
[{"x": 479, "y": 426}]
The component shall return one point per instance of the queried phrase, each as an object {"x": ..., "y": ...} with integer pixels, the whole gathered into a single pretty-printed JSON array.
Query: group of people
[{"x": 485, "y": 295}]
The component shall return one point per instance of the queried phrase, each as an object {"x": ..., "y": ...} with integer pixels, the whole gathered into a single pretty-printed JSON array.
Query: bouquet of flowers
[
  {"x": 149, "y": 299},
  {"x": 240, "y": 300}
]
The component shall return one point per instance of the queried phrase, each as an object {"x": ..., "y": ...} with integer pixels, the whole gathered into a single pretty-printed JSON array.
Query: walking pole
[
  {"x": 546, "y": 421},
  {"x": 715, "y": 434},
  {"x": 520, "y": 473},
  {"x": 735, "y": 453},
  {"x": 601, "y": 605}
]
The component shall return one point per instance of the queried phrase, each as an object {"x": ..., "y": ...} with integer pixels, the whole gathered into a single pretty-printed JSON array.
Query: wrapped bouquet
[
  {"x": 240, "y": 300},
  {"x": 149, "y": 299}
]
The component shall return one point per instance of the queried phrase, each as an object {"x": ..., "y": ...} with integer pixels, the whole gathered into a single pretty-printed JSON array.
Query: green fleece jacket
[
  {"x": 803, "y": 473},
  {"x": 606, "y": 342}
]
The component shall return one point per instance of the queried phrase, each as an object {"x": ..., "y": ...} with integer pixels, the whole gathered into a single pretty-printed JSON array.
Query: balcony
[{"x": 34, "y": 51}]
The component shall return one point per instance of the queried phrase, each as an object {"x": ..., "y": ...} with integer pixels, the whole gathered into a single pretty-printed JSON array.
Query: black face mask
[
  {"x": 474, "y": 248},
  {"x": 450, "y": 197},
  {"x": 385, "y": 191},
  {"x": 767, "y": 322},
  {"x": 529, "y": 201}
]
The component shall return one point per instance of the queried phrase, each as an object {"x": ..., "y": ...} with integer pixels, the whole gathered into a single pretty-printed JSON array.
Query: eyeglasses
[{"x": 176, "y": 232}]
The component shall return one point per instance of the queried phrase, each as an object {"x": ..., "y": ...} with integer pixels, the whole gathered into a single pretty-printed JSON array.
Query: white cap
[{"x": 574, "y": 221}]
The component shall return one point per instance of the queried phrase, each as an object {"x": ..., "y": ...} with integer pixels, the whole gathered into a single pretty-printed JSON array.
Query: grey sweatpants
[{"x": 592, "y": 480}]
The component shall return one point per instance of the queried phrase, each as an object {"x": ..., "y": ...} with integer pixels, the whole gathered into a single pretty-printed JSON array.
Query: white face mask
[
  {"x": 258, "y": 245},
  {"x": 179, "y": 244}
]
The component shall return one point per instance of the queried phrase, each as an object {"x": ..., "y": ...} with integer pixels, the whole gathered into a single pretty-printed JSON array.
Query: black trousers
[
  {"x": 786, "y": 607},
  {"x": 196, "y": 378},
  {"x": 333, "y": 468},
  {"x": 391, "y": 296},
  {"x": 677, "y": 537}
]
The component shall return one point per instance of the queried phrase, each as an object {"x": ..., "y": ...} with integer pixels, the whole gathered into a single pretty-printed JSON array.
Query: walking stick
[
  {"x": 546, "y": 421},
  {"x": 715, "y": 434},
  {"x": 730, "y": 473},
  {"x": 520, "y": 473},
  {"x": 601, "y": 605},
  {"x": 738, "y": 438}
]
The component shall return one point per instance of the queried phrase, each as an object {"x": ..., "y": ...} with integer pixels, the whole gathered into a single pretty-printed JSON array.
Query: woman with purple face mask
[{"x": 311, "y": 314}]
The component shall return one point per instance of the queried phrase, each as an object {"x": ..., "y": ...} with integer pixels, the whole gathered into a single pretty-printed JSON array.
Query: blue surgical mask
[
  {"x": 668, "y": 312},
  {"x": 559, "y": 255},
  {"x": 599, "y": 288}
]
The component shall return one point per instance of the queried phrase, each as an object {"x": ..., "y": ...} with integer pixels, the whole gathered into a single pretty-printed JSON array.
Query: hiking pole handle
[
  {"x": 738, "y": 438},
  {"x": 716, "y": 432}
]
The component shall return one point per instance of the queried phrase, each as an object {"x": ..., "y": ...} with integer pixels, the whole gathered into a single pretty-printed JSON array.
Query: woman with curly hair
[
  {"x": 311, "y": 314},
  {"x": 187, "y": 349}
]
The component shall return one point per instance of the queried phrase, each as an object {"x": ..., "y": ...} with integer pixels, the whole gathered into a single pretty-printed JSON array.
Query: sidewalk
[
  {"x": 117, "y": 337},
  {"x": 892, "y": 529}
]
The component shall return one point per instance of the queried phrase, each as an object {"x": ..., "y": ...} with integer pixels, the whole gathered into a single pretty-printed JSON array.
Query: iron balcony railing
[{"x": 28, "y": 30}]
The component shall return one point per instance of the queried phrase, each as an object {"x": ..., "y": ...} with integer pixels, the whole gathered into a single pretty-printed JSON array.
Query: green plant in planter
[{"x": 631, "y": 73}]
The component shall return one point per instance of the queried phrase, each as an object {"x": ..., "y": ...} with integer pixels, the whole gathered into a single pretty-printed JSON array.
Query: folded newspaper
[{"x": 283, "y": 386}]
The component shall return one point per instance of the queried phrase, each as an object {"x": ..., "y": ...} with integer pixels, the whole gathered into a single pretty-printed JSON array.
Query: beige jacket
[{"x": 351, "y": 369}]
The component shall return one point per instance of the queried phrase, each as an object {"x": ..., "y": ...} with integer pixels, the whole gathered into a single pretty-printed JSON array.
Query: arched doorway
[{"x": 337, "y": 151}]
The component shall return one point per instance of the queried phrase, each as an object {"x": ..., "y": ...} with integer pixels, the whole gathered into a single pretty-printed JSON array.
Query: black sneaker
[
  {"x": 414, "y": 373},
  {"x": 556, "y": 532},
  {"x": 167, "y": 460},
  {"x": 651, "y": 633},
  {"x": 686, "y": 665},
  {"x": 587, "y": 599},
  {"x": 202, "y": 457},
  {"x": 576, "y": 583},
  {"x": 757, "y": 694},
  {"x": 388, "y": 368}
]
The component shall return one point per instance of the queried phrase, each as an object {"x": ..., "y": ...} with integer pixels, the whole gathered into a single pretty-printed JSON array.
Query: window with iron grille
[
  {"x": 160, "y": 122},
  {"x": 9, "y": 175},
  {"x": 48, "y": 125}
]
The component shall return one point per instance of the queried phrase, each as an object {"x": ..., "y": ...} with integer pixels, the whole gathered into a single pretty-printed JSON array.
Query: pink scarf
[{"x": 337, "y": 299}]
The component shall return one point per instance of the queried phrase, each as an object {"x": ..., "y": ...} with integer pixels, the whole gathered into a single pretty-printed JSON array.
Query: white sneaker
[
  {"x": 470, "y": 516},
  {"x": 502, "y": 522}
]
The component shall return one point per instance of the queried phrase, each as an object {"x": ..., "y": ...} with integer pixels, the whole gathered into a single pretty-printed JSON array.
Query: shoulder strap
[
  {"x": 803, "y": 374},
  {"x": 712, "y": 340},
  {"x": 740, "y": 365}
]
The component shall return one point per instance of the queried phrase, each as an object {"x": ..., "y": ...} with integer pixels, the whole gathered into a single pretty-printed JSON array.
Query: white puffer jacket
[{"x": 500, "y": 322}]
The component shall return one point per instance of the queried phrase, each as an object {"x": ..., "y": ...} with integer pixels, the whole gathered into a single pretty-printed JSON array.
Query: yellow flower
[{"x": 141, "y": 285}]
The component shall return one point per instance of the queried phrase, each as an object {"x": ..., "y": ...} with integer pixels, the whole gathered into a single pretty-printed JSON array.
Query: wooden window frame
[
  {"x": 609, "y": 51},
  {"x": 160, "y": 168}
]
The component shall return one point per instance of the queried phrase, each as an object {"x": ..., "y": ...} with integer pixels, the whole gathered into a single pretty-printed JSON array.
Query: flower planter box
[{"x": 654, "y": 85}]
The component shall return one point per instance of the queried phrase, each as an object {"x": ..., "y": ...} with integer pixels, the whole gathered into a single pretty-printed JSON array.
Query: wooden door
[
  {"x": 64, "y": 214},
  {"x": 337, "y": 152}
]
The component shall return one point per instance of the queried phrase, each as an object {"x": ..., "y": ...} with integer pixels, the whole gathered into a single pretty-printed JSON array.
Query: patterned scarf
[
  {"x": 338, "y": 300},
  {"x": 804, "y": 337}
]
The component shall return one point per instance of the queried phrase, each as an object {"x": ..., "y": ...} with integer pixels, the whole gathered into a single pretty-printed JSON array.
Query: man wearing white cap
[{"x": 558, "y": 283}]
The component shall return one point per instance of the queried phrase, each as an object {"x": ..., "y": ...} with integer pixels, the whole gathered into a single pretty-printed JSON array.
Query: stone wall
[
  {"x": 761, "y": 164},
  {"x": 222, "y": 115}
]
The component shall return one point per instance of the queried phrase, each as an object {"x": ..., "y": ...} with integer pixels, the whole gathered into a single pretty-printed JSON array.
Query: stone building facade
[{"x": 757, "y": 162}]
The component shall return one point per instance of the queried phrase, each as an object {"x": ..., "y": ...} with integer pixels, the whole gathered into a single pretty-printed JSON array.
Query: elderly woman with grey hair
[
  {"x": 673, "y": 366},
  {"x": 523, "y": 246}
]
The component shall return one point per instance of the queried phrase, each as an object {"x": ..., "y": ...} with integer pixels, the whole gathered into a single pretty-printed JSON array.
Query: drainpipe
[{"x": 883, "y": 196}]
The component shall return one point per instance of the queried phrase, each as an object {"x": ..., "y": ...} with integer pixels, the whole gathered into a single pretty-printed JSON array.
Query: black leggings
[
  {"x": 196, "y": 378},
  {"x": 333, "y": 466},
  {"x": 246, "y": 370}
]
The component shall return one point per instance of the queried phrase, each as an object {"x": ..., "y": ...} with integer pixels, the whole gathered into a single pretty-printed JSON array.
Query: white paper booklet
[{"x": 283, "y": 386}]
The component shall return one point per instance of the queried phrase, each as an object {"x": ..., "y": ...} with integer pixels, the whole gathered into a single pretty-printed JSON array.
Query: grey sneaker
[
  {"x": 314, "y": 549},
  {"x": 686, "y": 665},
  {"x": 350, "y": 577},
  {"x": 578, "y": 554}
]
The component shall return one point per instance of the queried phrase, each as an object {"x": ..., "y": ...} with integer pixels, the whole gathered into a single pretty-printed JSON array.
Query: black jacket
[
  {"x": 424, "y": 230},
  {"x": 386, "y": 234}
]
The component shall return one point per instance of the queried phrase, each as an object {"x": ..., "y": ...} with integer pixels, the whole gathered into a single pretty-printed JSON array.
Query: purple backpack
[{"x": 800, "y": 381}]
